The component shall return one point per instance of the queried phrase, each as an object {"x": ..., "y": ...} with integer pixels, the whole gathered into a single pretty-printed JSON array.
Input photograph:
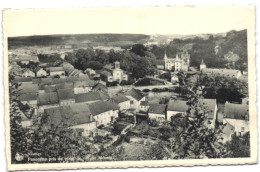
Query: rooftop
[
  {"x": 66, "y": 94},
  {"x": 87, "y": 97},
  {"x": 177, "y": 105},
  {"x": 210, "y": 106},
  {"x": 120, "y": 98},
  {"x": 236, "y": 111},
  {"x": 157, "y": 109},
  {"x": 136, "y": 94},
  {"x": 55, "y": 69},
  {"x": 99, "y": 107},
  {"x": 48, "y": 98},
  {"x": 28, "y": 97}
]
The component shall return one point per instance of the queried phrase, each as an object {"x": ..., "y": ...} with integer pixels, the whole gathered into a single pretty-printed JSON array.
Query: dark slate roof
[
  {"x": 58, "y": 80},
  {"x": 48, "y": 98},
  {"x": 99, "y": 107},
  {"x": 46, "y": 80},
  {"x": 67, "y": 66},
  {"x": 86, "y": 83},
  {"x": 66, "y": 85},
  {"x": 55, "y": 69},
  {"x": 157, "y": 109},
  {"x": 66, "y": 94},
  {"x": 72, "y": 78},
  {"x": 81, "y": 113},
  {"x": 37, "y": 69},
  {"x": 28, "y": 97},
  {"x": 28, "y": 88},
  {"x": 177, "y": 105},
  {"x": 23, "y": 79},
  {"x": 86, "y": 97},
  {"x": 236, "y": 111},
  {"x": 144, "y": 103},
  {"x": 58, "y": 115},
  {"x": 210, "y": 105},
  {"x": 136, "y": 94},
  {"x": 83, "y": 77},
  {"x": 120, "y": 98},
  {"x": 72, "y": 115},
  {"x": 49, "y": 88},
  {"x": 100, "y": 87},
  {"x": 36, "y": 80}
]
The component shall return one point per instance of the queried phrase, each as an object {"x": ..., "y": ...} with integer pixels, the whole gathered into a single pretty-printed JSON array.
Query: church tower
[
  {"x": 117, "y": 65},
  {"x": 202, "y": 65}
]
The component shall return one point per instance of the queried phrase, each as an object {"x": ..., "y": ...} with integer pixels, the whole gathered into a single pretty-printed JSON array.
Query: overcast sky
[{"x": 167, "y": 20}]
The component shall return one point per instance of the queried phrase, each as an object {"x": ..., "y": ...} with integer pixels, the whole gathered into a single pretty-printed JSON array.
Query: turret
[
  {"x": 202, "y": 65},
  {"x": 165, "y": 55}
]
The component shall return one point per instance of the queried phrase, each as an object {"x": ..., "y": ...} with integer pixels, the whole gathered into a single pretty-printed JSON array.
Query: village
[{"x": 100, "y": 106}]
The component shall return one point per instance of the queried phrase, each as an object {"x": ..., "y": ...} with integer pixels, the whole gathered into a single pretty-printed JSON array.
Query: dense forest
[{"x": 76, "y": 40}]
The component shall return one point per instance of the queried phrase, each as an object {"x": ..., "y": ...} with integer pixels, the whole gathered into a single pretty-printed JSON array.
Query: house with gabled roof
[
  {"x": 157, "y": 112},
  {"x": 40, "y": 72},
  {"x": 175, "y": 107},
  {"x": 83, "y": 86},
  {"x": 65, "y": 85},
  {"x": 66, "y": 96},
  {"x": 90, "y": 97},
  {"x": 237, "y": 115},
  {"x": 77, "y": 117},
  {"x": 47, "y": 100},
  {"x": 122, "y": 101},
  {"x": 28, "y": 73},
  {"x": 104, "y": 112},
  {"x": 29, "y": 98},
  {"x": 26, "y": 88},
  {"x": 136, "y": 97}
]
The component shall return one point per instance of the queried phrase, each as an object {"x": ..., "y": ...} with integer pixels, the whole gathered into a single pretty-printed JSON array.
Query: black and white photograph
[{"x": 87, "y": 88}]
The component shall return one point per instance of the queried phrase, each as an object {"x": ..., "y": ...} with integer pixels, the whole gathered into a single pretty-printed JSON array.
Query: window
[
  {"x": 131, "y": 102},
  {"x": 242, "y": 129}
]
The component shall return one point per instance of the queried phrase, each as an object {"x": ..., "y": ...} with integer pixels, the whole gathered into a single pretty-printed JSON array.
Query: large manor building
[{"x": 180, "y": 63}]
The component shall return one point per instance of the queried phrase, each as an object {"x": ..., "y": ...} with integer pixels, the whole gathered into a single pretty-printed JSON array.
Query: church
[{"x": 180, "y": 63}]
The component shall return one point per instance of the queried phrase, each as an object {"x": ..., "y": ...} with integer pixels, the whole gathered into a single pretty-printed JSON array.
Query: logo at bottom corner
[{"x": 19, "y": 156}]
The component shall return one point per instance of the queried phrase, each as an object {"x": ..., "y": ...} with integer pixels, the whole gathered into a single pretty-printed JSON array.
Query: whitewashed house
[
  {"x": 175, "y": 107},
  {"x": 28, "y": 73},
  {"x": 237, "y": 115},
  {"x": 122, "y": 101},
  {"x": 157, "y": 112},
  {"x": 66, "y": 96},
  {"x": 103, "y": 112},
  {"x": 56, "y": 71},
  {"x": 47, "y": 101},
  {"x": 136, "y": 97},
  {"x": 29, "y": 98},
  {"x": 40, "y": 72},
  {"x": 83, "y": 86},
  {"x": 77, "y": 117}
]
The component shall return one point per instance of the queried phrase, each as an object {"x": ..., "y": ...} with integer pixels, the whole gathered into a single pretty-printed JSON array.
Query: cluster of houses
[{"x": 83, "y": 104}]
